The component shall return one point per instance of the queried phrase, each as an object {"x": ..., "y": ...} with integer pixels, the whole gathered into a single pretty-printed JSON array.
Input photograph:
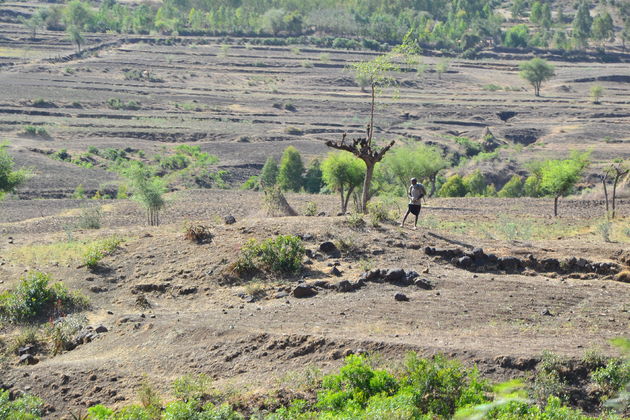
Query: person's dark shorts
[{"x": 414, "y": 209}]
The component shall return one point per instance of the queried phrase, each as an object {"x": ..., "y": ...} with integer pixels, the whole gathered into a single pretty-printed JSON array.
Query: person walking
[{"x": 415, "y": 194}]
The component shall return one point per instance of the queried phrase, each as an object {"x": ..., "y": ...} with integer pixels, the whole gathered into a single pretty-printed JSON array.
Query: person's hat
[{"x": 414, "y": 180}]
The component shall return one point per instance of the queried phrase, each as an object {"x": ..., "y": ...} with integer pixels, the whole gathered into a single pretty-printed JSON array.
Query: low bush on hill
[
  {"x": 280, "y": 255},
  {"x": 35, "y": 298}
]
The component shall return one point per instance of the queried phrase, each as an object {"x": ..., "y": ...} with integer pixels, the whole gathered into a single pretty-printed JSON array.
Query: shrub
[
  {"x": 35, "y": 131},
  {"x": 604, "y": 228},
  {"x": 281, "y": 255},
  {"x": 453, "y": 187},
  {"x": 355, "y": 221},
  {"x": 311, "y": 209},
  {"x": 612, "y": 377},
  {"x": 197, "y": 233},
  {"x": 596, "y": 93},
  {"x": 34, "y": 298},
  {"x": 98, "y": 250},
  {"x": 475, "y": 184},
  {"x": 90, "y": 218},
  {"x": 42, "y": 103},
  {"x": 115, "y": 103},
  {"x": 63, "y": 331},
  {"x": 24, "y": 407},
  {"x": 378, "y": 213},
  {"x": 513, "y": 188},
  {"x": 191, "y": 388}
]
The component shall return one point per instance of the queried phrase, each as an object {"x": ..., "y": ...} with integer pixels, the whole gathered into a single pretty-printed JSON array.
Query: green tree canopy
[
  {"x": 343, "y": 172},
  {"x": 148, "y": 191},
  {"x": 558, "y": 177},
  {"x": 536, "y": 71},
  {"x": 415, "y": 161},
  {"x": 269, "y": 173},
  {"x": 453, "y": 187},
  {"x": 313, "y": 178},
  {"x": 603, "y": 28},
  {"x": 290, "y": 174},
  {"x": 512, "y": 188},
  {"x": 582, "y": 23},
  {"x": 475, "y": 184},
  {"x": 9, "y": 178}
]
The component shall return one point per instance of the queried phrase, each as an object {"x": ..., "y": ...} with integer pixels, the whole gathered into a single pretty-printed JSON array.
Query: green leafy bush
[
  {"x": 99, "y": 249},
  {"x": 453, "y": 187},
  {"x": 31, "y": 130},
  {"x": 281, "y": 255},
  {"x": 513, "y": 188},
  {"x": 23, "y": 408},
  {"x": 34, "y": 298},
  {"x": 612, "y": 377}
]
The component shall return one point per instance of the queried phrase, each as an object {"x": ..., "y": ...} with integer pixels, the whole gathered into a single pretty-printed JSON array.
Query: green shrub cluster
[
  {"x": 35, "y": 131},
  {"x": 35, "y": 298},
  {"x": 99, "y": 249},
  {"x": 25, "y": 407},
  {"x": 281, "y": 255},
  {"x": 115, "y": 103}
]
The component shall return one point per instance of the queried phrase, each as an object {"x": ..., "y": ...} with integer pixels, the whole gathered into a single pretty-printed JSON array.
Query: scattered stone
[
  {"x": 188, "y": 290},
  {"x": 330, "y": 249},
  {"x": 335, "y": 271},
  {"x": 28, "y": 349},
  {"x": 101, "y": 329},
  {"x": 303, "y": 291},
  {"x": 425, "y": 284},
  {"x": 546, "y": 312},
  {"x": 97, "y": 289},
  {"x": 378, "y": 251},
  {"x": 229, "y": 219},
  {"x": 395, "y": 275},
  {"x": 281, "y": 295},
  {"x": 344, "y": 286},
  {"x": 28, "y": 359},
  {"x": 142, "y": 302},
  {"x": 401, "y": 297}
]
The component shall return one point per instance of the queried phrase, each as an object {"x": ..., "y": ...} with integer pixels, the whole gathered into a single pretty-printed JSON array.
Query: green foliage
[
  {"x": 343, "y": 172},
  {"x": 10, "y": 179},
  {"x": 519, "y": 409},
  {"x": 280, "y": 255},
  {"x": 414, "y": 161},
  {"x": 26, "y": 407},
  {"x": 596, "y": 93},
  {"x": 531, "y": 186},
  {"x": 311, "y": 209},
  {"x": 536, "y": 71},
  {"x": 116, "y": 103},
  {"x": 512, "y": 188},
  {"x": 613, "y": 377},
  {"x": 582, "y": 23},
  {"x": 191, "y": 388},
  {"x": 453, "y": 187},
  {"x": 475, "y": 184},
  {"x": 34, "y": 298},
  {"x": 557, "y": 177},
  {"x": 98, "y": 250},
  {"x": 148, "y": 191},
  {"x": 62, "y": 332},
  {"x": 252, "y": 183},
  {"x": 32, "y": 130},
  {"x": 313, "y": 178},
  {"x": 90, "y": 218},
  {"x": 269, "y": 173},
  {"x": 517, "y": 36},
  {"x": 291, "y": 170},
  {"x": 471, "y": 148}
]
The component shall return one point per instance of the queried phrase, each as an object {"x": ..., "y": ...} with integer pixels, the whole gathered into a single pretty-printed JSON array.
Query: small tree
[
  {"x": 74, "y": 34},
  {"x": 536, "y": 71},
  {"x": 33, "y": 23},
  {"x": 269, "y": 173},
  {"x": 453, "y": 187},
  {"x": 442, "y": 67},
  {"x": 343, "y": 172},
  {"x": 618, "y": 171},
  {"x": 415, "y": 161},
  {"x": 512, "y": 188},
  {"x": 313, "y": 178},
  {"x": 148, "y": 192},
  {"x": 377, "y": 74},
  {"x": 558, "y": 177},
  {"x": 9, "y": 179},
  {"x": 290, "y": 173},
  {"x": 535, "y": 16},
  {"x": 582, "y": 23},
  {"x": 603, "y": 28},
  {"x": 475, "y": 184},
  {"x": 596, "y": 93}
]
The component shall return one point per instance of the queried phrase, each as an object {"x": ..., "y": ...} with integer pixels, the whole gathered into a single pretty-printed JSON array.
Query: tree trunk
[
  {"x": 367, "y": 181},
  {"x": 432, "y": 179},
  {"x": 555, "y": 206},
  {"x": 604, "y": 179},
  {"x": 614, "y": 195},
  {"x": 371, "y": 128},
  {"x": 345, "y": 203},
  {"x": 343, "y": 207}
]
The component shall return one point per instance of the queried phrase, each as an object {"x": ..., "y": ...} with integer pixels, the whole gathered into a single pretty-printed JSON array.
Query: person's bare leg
[
  {"x": 404, "y": 218},
  {"x": 415, "y": 225}
]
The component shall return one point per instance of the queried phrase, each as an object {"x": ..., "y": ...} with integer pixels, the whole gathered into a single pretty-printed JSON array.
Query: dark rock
[
  {"x": 463, "y": 262},
  {"x": 304, "y": 291},
  {"x": 323, "y": 284},
  {"x": 581, "y": 263},
  {"x": 335, "y": 272},
  {"x": 28, "y": 359},
  {"x": 281, "y": 295},
  {"x": 308, "y": 253},
  {"x": 373, "y": 275},
  {"x": 307, "y": 237},
  {"x": 229, "y": 219},
  {"x": 28, "y": 349},
  {"x": 328, "y": 248},
  {"x": 411, "y": 276},
  {"x": 425, "y": 284},
  {"x": 150, "y": 287},
  {"x": 344, "y": 286},
  {"x": 101, "y": 329},
  {"x": 550, "y": 264},
  {"x": 401, "y": 297},
  {"x": 379, "y": 251},
  {"x": 321, "y": 214},
  {"x": 510, "y": 264},
  {"x": 546, "y": 312},
  {"x": 97, "y": 289},
  {"x": 395, "y": 275},
  {"x": 188, "y": 290}
]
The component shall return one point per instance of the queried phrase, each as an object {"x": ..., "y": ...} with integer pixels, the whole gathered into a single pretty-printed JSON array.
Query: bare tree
[{"x": 618, "y": 171}]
